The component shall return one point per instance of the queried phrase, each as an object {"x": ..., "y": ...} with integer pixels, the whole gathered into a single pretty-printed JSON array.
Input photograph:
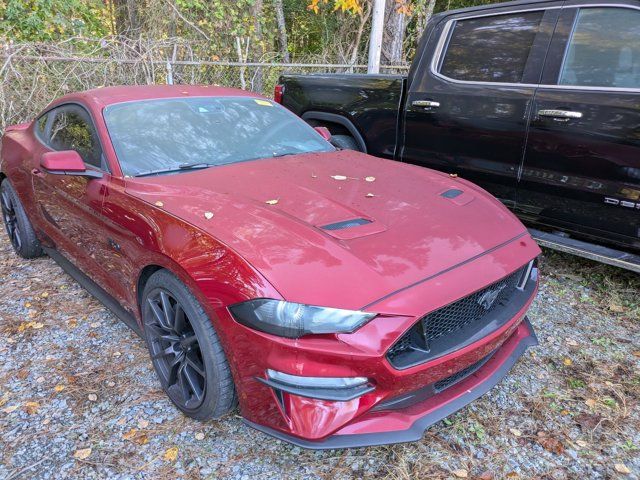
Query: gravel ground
[{"x": 78, "y": 397}]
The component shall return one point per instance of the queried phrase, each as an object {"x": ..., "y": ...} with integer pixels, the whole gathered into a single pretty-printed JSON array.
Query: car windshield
[{"x": 177, "y": 134}]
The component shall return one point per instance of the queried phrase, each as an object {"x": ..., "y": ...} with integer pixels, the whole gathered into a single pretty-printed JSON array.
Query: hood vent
[{"x": 346, "y": 224}]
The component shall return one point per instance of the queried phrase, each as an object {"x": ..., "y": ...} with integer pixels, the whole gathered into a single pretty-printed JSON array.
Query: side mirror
[
  {"x": 66, "y": 162},
  {"x": 324, "y": 132}
]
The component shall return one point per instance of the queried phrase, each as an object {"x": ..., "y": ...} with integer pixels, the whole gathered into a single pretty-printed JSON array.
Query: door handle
[
  {"x": 36, "y": 172},
  {"x": 560, "y": 114},
  {"x": 425, "y": 104}
]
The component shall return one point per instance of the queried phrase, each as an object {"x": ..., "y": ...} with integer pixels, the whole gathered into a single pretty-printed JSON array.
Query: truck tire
[{"x": 344, "y": 142}]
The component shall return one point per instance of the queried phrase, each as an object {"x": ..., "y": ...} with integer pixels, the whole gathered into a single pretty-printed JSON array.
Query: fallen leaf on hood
[
  {"x": 272, "y": 202},
  {"x": 369, "y": 195},
  {"x": 338, "y": 177},
  {"x": 208, "y": 215},
  {"x": 159, "y": 204},
  {"x": 171, "y": 454},
  {"x": 453, "y": 175},
  {"x": 461, "y": 473},
  {"x": 82, "y": 453},
  {"x": 370, "y": 179},
  {"x": 622, "y": 468}
]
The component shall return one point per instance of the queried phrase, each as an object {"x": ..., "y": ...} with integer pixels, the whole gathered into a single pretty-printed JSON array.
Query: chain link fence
[{"x": 31, "y": 75}]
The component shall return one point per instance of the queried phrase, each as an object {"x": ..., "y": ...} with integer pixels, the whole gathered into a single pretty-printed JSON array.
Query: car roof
[{"x": 102, "y": 97}]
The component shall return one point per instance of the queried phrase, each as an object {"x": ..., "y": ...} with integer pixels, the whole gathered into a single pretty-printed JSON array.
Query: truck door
[
  {"x": 469, "y": 101},
  {"x": 582, "y": 163}
]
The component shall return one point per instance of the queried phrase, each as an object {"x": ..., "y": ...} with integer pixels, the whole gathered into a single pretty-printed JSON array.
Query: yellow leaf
[
  {"x": 82, "y": 453},
  {"x": 461, "y": 473},
  {"x": 171, "y": 454},
  {"x": 141, "y": 439},
  {"x": 44, "y": 294},
  {"x": 32, "y": 407},
  {"x": 130, "y": 434},
  {"x": 4, "y": 399},
  {"x": 616, "y": 308},
  {"x": 567, "y": 361},
  {"x": 591, "y": 403},
  {"x": 622, "y": 468},
  {"x": 58, "y": 388},
  {"x": 37, "y": 325}
]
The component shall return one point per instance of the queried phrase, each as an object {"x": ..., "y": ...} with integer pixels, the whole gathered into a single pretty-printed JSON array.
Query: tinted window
[
  {"x": 41, "y": 125},
  {"x": 71, "y": 130},
  {"x": 491, "y": 49},
  {"x": 169, "y": 133},
  {"x": 604, "y": 49}
]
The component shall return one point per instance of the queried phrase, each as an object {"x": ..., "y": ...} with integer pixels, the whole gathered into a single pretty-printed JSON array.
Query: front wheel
[{"x": 185, "y": 349}]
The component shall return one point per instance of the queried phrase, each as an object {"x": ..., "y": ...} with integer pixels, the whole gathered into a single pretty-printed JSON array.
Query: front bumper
[{"x": 409, "y": 424}]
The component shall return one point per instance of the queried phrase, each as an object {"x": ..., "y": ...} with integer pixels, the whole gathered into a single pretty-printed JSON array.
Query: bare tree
[
  {"x": 395, "y": 26},
  {"x": 127, "y": 21}
]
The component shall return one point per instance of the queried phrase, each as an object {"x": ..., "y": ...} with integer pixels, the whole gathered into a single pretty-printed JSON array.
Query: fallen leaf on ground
[
  {"x": 588, "y": 421},
  {"x": 10, "y": 409},
  {"x": 82, "y": 453},
  {"x": 515, "y": 432},
  {"x": 549, "y": 443},
  {"x": 272, "y": 202},
  {"x": 590, "y": 402},
  {"x": 581, "y": 443},
  {"x": 622, "y": 468},
  {"x": 58, "y": 388},
  {"x": 571, "y": 342},
  {"x": 4, "y": 399},
  {"x": 130, "y": 434},
  {"x": 143, "y": 423},
  {"x": 636, "y": 354},
  {"x": 616, "y": 308},
  {"x": 486, "y": 475},
  {"x": 171, "y": 454},
  {"x": 92, "y": 397},
  {"x": 461, "y": 473},
  {"x": 567, "y": 361},
  {"x": 32, "y": 407},
  {"x": 199, "y": 436}
]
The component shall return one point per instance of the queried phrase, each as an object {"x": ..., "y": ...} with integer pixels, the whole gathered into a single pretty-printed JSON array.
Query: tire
[
  {"x": 345, "y": 142},
  {"x": 17, "y": 224},
  {"x": 189, "y": 361}
]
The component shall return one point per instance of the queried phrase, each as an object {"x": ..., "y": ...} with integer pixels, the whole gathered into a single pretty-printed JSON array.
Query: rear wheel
[
  {"x": 185, "y": 349},
  {"x": 23, "y": 238},
  {"x": 345, "y": 142}
]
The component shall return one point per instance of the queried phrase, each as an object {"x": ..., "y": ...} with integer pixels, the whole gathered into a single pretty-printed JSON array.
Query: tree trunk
[
  {"x": 423, "y": 18},
  {"x": 393, "y": 38},
  {"x": 259, "y": 50},
  {"x": 126, "y": 18},
  {"x": 282, "y": 30}
]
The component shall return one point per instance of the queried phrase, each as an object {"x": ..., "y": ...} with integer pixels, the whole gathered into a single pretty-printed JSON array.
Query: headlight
[{"x": 293, "y": 320}]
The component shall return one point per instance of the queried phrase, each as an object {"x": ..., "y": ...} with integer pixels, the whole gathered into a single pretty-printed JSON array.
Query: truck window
[
  {"x": 492, "y": 48},
  {"x": 604, "y": 49}
]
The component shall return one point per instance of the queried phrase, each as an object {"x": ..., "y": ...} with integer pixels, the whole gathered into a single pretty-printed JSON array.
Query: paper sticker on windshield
[{"x": 264, "y": 103}]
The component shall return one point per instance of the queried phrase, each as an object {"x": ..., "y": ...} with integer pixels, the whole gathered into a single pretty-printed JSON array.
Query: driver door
[{"x": 70, "y": 205}]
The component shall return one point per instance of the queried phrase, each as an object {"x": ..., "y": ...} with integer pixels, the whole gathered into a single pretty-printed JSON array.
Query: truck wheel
[
  {"x": 345, "y": 142},
  {"x": 23, "y": 238},
  {"x": 185, "y": 349}
]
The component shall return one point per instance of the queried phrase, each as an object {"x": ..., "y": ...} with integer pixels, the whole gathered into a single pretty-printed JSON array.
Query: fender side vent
[{"x": 356, "y": 222}]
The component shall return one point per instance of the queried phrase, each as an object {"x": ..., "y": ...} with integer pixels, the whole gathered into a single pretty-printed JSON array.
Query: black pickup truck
[{"x": 536, "y": 101}]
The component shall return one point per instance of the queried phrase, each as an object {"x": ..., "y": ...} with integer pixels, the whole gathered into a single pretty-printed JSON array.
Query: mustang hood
[{"x": 343, "y": 227}]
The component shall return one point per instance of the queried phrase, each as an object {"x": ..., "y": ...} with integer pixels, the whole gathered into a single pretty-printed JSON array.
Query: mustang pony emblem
[{"x": 487, "y": 299}]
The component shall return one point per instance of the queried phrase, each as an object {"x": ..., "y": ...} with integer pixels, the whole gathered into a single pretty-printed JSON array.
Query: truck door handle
[
  {"x": 560, "y": 114},
  {"x": 425, "y": 104}
]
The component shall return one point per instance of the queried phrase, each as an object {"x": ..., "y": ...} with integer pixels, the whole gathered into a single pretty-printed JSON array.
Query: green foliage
[{"x": 46, "y": 20}]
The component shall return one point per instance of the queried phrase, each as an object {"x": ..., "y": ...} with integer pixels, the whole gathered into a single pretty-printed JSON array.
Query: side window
[
  {"x": 492, "y": 48},
  {"x": 71, "y": 129},
  {"x": 604, "y": 49}
]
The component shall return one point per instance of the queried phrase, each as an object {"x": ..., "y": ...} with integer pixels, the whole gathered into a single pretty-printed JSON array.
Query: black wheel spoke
[
  {"x": 163, "y": 353},
  {"x": 196, "y": 365},
  {"x": 167, "y": 309},
  {"x": 192, "y": 381},
  {"x": 178, "y": 319},
  {"x": 159, "y": 315},
  {"x": 7, "y": 204}
]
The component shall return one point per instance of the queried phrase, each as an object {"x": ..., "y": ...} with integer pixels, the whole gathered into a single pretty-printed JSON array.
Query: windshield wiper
[{"x": 179, "y": 168}]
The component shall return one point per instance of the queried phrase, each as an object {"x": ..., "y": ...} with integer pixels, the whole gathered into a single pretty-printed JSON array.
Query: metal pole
[{"x": 375, "y": 42}]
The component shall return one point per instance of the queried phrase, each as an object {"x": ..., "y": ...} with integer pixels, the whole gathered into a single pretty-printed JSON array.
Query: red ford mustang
[{"x": 341, "y": 299}]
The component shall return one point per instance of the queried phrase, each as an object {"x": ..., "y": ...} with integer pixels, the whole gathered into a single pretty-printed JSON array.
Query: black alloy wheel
[
  {"x": 11, "y": 219},
  {"x": 175, "y": 350}
]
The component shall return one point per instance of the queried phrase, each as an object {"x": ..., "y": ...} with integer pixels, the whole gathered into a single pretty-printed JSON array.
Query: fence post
[{"x": 169, "y": 73}]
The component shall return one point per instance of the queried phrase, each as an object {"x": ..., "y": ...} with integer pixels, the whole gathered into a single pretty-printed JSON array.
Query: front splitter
[{"x": 417, "y": 429}]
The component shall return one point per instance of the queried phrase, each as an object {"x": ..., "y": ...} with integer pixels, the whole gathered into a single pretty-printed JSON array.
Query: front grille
[
  {"x": 451, "y": 325},
  {"x": 451, "y": 380}
]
